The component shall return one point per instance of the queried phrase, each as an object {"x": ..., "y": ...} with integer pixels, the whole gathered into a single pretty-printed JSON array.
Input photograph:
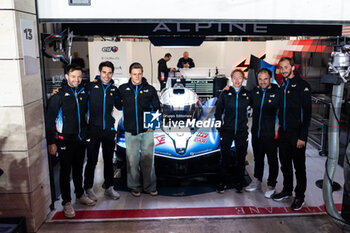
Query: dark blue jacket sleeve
[
  {"x": 306, "y": 111},
  {"x": 117, "y": 100},
  {"x": 51, "y": 115}
]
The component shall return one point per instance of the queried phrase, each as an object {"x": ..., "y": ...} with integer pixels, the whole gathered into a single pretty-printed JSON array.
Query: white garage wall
[{"x": 224, "y": 54}]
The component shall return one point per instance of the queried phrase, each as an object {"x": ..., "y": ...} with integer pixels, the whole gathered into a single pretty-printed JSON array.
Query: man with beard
[
  {"x": 294, "y": 120},
  {"x": 265, "y": 104}
]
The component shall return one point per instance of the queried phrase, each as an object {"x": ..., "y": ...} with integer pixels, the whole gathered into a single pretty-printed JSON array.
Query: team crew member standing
[
  {"x": 233, "y": 103},
  {"x": 103, "y": 95},
  {"x": 265, "y": 103},
  {"x": 294, "y": 119},
  {"x": 163, "y": 70},
  {"x": 185, "y": 61},
  {"x": 66, "y": 120},
  {"x": 138, "y": 97}
]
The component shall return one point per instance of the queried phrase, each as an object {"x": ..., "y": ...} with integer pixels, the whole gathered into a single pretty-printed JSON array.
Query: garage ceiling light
[{"x": 79, "y": 2}]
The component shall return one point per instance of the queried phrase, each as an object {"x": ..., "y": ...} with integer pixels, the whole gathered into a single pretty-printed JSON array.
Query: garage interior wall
[
  {"x": 24, "y": 186},
  {"x": 225, "y": 55}
]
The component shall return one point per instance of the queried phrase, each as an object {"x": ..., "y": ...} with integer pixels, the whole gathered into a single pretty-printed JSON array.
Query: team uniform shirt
[
  {"x": 295, "y": 110},
  {"x": 66, "y": 114},
  {"x": 136, "y": 100},
  {"x": 231, "y": 110},
  {"x": 102, "y": 98},
  {"x": 265, "y": 104}
]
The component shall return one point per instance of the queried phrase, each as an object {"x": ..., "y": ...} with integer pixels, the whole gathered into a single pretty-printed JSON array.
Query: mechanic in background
[
  {"x": 163, "y": 70},
  {"x": 138, "y": 97},
  {"x": 185, "y": 61},
  {"x": 233, "y": 104}
]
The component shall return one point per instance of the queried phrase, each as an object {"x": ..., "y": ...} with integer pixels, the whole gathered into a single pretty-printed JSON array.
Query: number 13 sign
[{"x": 29, "y": 46}]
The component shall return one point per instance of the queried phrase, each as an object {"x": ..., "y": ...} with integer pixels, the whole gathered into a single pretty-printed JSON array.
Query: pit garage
[
  {"x": 217, "y": 47},
  {"x": 219, "y": 38}
]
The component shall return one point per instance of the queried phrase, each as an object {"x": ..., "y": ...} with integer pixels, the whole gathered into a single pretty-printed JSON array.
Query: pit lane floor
[{"x": 175, "y": 210}]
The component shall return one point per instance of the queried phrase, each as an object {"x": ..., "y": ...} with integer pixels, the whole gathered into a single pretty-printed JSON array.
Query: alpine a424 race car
[{"x": 187, "y": 142}]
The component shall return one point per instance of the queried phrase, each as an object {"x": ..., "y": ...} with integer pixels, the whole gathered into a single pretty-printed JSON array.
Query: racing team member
[
  {"x": 233, "y": 104},
  {"x": 163, "y": 70},
  {"x": 185, "y": 61},
  {"x": 294, "y": 120},
  {"x": 66, "y": 120},
  {"x": 265, "y": 104},
  {"x": 138, "y": 97},
  {"x": 103, "y": 95}
]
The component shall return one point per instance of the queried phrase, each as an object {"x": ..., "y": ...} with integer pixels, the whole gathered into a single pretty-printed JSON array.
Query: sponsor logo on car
[
  {"x": 158, "y": 140},
  {"x": 202, "y": 135},
  {"x": 200, "y": 140}
]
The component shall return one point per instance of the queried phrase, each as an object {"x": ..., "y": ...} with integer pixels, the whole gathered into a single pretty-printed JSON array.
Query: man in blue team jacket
[
  {"x": 138, "y": 97},
  {"x": 103, "y": 96},
  {"x": 66, "y": 133}
]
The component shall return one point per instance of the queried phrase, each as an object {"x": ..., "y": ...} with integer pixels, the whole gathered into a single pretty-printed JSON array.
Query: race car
[{"x": 187, "y": 143}]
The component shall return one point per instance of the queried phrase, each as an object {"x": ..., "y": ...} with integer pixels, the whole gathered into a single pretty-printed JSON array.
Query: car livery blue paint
[{"x": 187, "y": 151}]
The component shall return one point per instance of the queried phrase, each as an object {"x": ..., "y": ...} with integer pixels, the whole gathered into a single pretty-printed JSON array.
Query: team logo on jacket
[
  {"x": 244, "y": 94},
  {"x": 145, "y": 90},
  {"x": 83, "y": 92},
  {"x": 306, "y": 89},
  {"x": 294, "y": 85},
  {"x": 229, "y": 93},
  {"x": 128, "y": 89},
  {"x": 272, "y": 96},
  {"x": 113, "y": 89},
  {"x": 96, "y": 86},
  {"x": 67, "y": 94},
  {"x": 151, "y": 120}
]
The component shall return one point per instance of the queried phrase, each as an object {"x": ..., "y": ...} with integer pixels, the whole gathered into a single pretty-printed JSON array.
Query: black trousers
[
  {"x": 290, "y": 155},
  {"x": 72, "y": 155},
  {"x": 268, "y": 146},
  {"x": 227, "y": 156},
  {"x": 107, "y": 138}
]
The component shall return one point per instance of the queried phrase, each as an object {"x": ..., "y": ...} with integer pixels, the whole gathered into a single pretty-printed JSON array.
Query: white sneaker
[
  {"x": 270, "y": 191},
  {"x": 254, "y": 185},
  {"x": 85, "y": 200},
  {"x": 110, "y": 192},
  {"x": 153, "y": 193},
  {"x": 68, "y": 210},
  {"x": 90, "y": 193}
]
